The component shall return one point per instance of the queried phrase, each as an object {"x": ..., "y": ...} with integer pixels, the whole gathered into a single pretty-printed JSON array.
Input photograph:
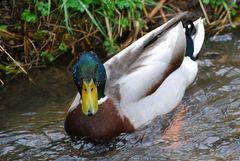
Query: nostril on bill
[{"x": 90, "y": 113}]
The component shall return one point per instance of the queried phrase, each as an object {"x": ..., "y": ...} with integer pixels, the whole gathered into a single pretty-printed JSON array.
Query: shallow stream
[{"x": 32, "y": 116}]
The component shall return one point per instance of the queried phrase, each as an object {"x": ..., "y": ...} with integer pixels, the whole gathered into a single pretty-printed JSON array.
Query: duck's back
[{"x": 139, "y": 70}]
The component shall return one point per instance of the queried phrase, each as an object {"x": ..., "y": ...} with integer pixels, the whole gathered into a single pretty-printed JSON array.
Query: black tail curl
[{"x": 190, "y": 30}]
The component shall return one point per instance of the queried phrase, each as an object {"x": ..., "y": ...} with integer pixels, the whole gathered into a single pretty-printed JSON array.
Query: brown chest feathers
[{"x": 104, "y": 125}]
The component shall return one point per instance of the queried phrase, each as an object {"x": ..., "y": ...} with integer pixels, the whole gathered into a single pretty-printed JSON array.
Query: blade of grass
[
  {"x": 9, "y": 69},
  {"x": 228, "y": 12},
  {"x": 98, "y": 25},
  {"x": 66, "y": 15},
  {"x": 169, "y": 9},
  {"x": 49, "y": 9}
]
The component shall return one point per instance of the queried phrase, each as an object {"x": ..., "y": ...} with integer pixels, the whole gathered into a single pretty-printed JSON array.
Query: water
[{"x": 32, "y": 116}]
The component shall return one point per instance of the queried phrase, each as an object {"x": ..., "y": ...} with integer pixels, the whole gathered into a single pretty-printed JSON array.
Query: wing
[
  {"x": 171, "y": 91},
  {"x": 165, "y": 98},
  {"x": 139, "y": 69}
]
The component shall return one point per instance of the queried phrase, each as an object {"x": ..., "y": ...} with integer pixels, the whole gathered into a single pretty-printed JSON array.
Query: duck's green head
[{"x": 89, "y": 76}]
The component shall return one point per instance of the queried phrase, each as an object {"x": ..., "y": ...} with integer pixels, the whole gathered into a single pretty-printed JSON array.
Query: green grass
[
  {"x": 47, "y": 29},
  {"x": 229, "y": 6}
]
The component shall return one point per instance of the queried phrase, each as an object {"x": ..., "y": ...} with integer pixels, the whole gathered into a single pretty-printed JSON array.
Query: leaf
[
  {"x": 48, "y": 55},
  {"x": 3, "y": 27},
  {"x": 234, "y": 5},
  {"x": 110, "y": 46},
  {"x": 28, "y": 16},
  {"x": 17, "y": 26},
  {"x": 206, "y": 1},
  {"x": 74, "y": 5},
  {"x": 39, "y": 35},
  {"x": 124, "y": 22},
  {"x": 124, "y": 4},
  {"x": 62, "y": 47},
  {"x": 139, "y": 5},
  {"x": 43, "y": 8},
  {"x": 120, "y": 4}
]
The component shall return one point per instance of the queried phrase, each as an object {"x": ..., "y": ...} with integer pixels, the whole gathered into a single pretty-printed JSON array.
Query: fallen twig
[
  {"x": 64, "y": 27},
  {"x": 109, "y": 29},
  {"x": 204, "y": 11},
  {"x": 175, "y": 7},
  {"x": 3, "y": 50},
  {"x": 163, "y": 15},
  {"x": 2, "y": 83},
  {"x": 10, "y": 35},
  {"x": 35, "y": 49},
  {"x": 144, "y": 8},
  {"x": 156, "y": 9},
  {"x": 133, "y": 37}
]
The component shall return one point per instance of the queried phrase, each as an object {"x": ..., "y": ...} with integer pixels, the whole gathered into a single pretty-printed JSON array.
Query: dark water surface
[{"x": 32, "y": 115}]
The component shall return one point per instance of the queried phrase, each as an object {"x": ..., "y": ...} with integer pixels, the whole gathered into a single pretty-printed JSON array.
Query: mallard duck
[{"x": 143, "y": 81}]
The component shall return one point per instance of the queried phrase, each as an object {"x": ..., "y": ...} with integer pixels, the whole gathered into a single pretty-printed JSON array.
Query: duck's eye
[
  {"x": 91, "y": 89},
  {"x": 85, "y": 89}
]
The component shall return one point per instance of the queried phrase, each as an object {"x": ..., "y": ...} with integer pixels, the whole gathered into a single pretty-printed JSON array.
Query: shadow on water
[{"x": 32, "y": 115}]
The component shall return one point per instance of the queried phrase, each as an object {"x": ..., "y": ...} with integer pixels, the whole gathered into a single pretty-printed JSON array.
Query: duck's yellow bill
[{"x": 89, "y": 98}]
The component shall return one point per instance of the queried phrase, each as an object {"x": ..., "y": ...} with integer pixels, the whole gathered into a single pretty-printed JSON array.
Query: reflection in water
[{"x": 32, "y": 114}]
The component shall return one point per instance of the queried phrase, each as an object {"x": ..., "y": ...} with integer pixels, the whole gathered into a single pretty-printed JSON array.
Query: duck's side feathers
[
  {"x": 165, "y": 98},
  {"x": 198, "y": 38}
]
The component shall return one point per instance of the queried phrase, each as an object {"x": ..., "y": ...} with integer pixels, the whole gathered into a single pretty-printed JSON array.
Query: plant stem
[{"x": 109, "y": 29}]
